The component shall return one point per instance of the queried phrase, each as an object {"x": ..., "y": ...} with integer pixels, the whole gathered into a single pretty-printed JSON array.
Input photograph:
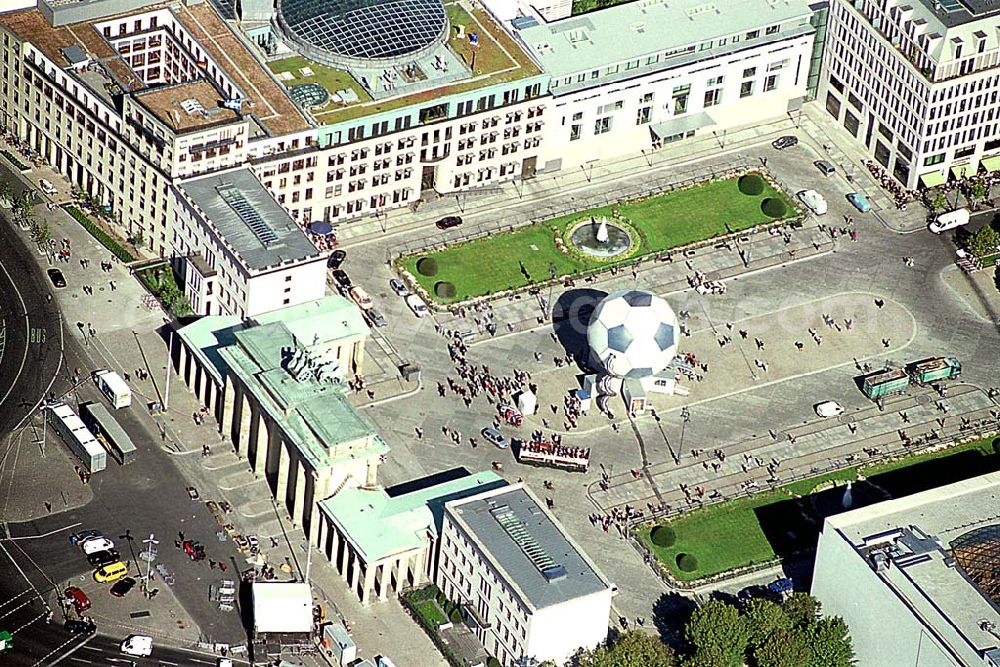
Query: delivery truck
[
  {"x": 885, "y": 382},
  {"x": 938, "y": 368}
]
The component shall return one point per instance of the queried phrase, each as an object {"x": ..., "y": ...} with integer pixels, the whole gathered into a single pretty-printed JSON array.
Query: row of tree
[{"x": 761, "y": 633}]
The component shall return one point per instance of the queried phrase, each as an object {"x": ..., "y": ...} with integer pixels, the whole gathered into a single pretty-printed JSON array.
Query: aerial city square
[{"x": 500, "y": 333}]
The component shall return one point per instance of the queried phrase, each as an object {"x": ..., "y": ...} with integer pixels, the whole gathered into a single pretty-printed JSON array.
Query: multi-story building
[
  {"x": 621, "y": 83},
  {"x": 916, "y": 83},
  {"x": 915, "y": 578},
  {"x": 238, "y": 252},
  {"x": 525, "y": 588}
]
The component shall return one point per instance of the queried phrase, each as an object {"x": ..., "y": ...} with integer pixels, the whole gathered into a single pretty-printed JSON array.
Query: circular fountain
[{"x": 599, "y": 238}]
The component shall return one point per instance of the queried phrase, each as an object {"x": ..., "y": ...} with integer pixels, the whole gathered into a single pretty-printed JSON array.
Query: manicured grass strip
[
  {"x": 102, "y": 237},
  {"x": 728, "y": 535},
  {"x": 516, "y": 259},
  {"x": 429, "y": 611}
]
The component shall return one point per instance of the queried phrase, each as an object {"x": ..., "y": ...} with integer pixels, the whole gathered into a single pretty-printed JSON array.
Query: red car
[
  {"x": 194, "y": 550},
  {"x": 79, "y": 599}
]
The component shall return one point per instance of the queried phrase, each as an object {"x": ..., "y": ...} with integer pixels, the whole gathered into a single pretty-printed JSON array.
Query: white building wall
[
  {"x": 884, "y": 631},
  {"x": 556, "y": 632},
  {"x": 634, "y": 106},
  {"x": 305, "y": 281}
]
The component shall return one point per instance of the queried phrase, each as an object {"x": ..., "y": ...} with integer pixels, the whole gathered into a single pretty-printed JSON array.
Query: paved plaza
[{"x": 793, "y": 286}]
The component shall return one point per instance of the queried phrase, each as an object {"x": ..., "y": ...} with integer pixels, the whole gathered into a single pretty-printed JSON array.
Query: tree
[
  {"x": 6, "y": 191},
  {"x": 631, "y": 649},
  {"x": 784, "y": 648},
  {"x": 41, "y": 234},
  {"x": 24, "y": 208},
  {"x": 801, "y": 609},
  {"x": 829, "y": 643},
  {"x": 977, "y": 191},
  {"x": 716, "y": 628},
  {"x": 764, "y": 618},
  {"x": 939, "y": 202},
  {"x": 984, "y": 241}
]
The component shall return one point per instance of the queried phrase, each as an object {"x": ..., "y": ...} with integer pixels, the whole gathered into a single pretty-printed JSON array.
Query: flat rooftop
[
  {"x": 171, "y": 105},
  {"x": 257, "y": 228},
  {"x": 267, "y": 100},
  {"x": 616, "y": 34},
  {"x": 498, "y": 59},
  {"x": 509, "y": 523},
  {"x": 932, "y": 524},
  {"x": 954, "y": 13}
]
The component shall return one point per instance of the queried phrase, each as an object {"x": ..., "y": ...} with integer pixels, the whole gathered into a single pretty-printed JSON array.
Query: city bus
[
  {"x": 109, "y": 432},
  {"x": 78, "y": 437}
]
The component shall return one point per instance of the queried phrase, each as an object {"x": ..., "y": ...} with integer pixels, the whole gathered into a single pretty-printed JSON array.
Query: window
[
  {"x": 753, "y": 34},
  {"x": 643, "y": 115},
  {"x": 770, "y": 83},
  {"x": 772, "y": 29},
  {"x": 712, "y": 97},
  {"x": 574, "y": 132},
  {"x": 933, "y": 159},
  {"x": 749, "y": 72},
  {"x": 833, "y": 105},
  {"x": 602, "y": 125},
  {"x": 746, "y": 89}
]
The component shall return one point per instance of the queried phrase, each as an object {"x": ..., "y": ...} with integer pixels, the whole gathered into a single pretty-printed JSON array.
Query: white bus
[
  {"x": 78, "y": 437},
  {"x": 114, "y": 388},
  {"x": 109, "y": 432}
]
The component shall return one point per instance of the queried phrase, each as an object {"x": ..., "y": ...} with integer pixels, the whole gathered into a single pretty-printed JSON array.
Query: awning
[
  {"x": 932, "y": 179},
  {"x": 991, "y": 163},
  {"x": 320, "y": 227},
  {"x": 682, "y": 125},
  {"x": 960, "y": 171}
]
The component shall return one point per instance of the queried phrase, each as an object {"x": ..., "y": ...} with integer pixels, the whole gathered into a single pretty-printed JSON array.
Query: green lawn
[
  {"x": 494, "y": 264},
  {"x": 728, "y": 535},
  {"x": 430, "y": 612},
  {"x": 328, "y": 77}
]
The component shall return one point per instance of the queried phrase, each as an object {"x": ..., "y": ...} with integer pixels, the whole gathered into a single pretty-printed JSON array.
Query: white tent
[
  {"x": 282, "y": 607},
  {"x": 527, "y": 402}
]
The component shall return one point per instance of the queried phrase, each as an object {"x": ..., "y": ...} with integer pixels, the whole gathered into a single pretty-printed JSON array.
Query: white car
[
  {"x": 140, "y": 645},
  {"x": 361, "y": 298},
  {"x": 814, "y": 200},
  {"x": 95, "y": 544},
  {"x": 417, "y": 305},
  {"x": 47, "y": 187},
  {"x": 829, "y": 409}
]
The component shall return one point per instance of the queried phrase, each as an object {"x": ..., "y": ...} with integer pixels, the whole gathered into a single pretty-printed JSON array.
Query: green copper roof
[
  {"x": 331, "y": 318},
  {"x": 380, "y": 526},
  {"x": 206, "y": 336}
]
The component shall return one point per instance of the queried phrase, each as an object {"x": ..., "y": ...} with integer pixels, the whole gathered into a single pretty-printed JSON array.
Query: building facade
[
  {"x": 621, "y": 86},
  {"x": 916, "y": 84},
  {"x": 915, "y": 577},
  {"x": 525, "y": 588}
]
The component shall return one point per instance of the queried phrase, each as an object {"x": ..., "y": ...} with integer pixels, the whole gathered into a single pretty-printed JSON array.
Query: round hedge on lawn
[
  {"x": 427, "y": 266},
  {"x": 751, "y": 184},
  {"x": 687, "y": 563},
  {"x": 444, "y": 290},
  {"x": 773, "y": 207},
  {"x": 663, "y": 536}
]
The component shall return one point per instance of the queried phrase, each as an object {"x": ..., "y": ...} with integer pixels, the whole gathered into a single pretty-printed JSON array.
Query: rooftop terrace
[
  {"x": 172, "y": 104},
  {"x": 498, "y": 59}
]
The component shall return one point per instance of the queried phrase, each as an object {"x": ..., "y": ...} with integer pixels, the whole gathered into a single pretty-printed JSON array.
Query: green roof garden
[{"x": 498, "y": 60}]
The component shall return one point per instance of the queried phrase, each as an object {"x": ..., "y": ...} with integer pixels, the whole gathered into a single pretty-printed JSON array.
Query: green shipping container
[
  {"x": 940, "y": 368},
  {"x": 884, "y": 383}
]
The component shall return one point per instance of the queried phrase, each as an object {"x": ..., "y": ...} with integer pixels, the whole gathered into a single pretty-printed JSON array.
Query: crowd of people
[{"x": 900, "y": 195}]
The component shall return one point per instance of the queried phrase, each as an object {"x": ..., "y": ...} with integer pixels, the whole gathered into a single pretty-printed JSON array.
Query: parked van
[
  {"x": 114, "y": 388},
  {"x": 950, "y": 220}
]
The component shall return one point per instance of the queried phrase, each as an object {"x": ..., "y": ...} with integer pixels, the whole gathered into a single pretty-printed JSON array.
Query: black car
[
  {"x": 448, "y": 222},
  {"x": 56, "y": 276},
  {"x": 80, "y": 627},
  {"x": 102, "y": 558},
  {"x": 122, "y": 587},
  {"x": 337, "y": 258},
  {"x": 784, "y": 142},
  {"x": 341, "y": 278}
]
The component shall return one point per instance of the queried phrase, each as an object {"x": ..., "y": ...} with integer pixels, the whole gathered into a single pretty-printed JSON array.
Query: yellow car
[{"x": 112, "y": 572}]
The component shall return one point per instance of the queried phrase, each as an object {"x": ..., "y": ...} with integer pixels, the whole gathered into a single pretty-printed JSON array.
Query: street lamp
[
  {"x": 150, "y": 555},
  {"x": 685, "y": 418}
]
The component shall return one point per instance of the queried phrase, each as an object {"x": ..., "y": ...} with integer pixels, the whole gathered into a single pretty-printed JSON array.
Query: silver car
[{"x": 495, "y": 436}]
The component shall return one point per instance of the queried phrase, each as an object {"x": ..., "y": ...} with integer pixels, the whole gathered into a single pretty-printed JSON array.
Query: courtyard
[{"x": 532, "y": 254}]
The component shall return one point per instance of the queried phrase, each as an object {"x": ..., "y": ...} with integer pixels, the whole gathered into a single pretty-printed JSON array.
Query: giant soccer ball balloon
[{"x": 632, "y": 334}]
